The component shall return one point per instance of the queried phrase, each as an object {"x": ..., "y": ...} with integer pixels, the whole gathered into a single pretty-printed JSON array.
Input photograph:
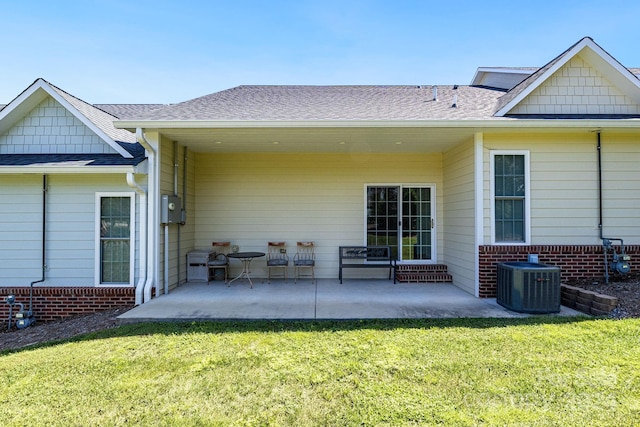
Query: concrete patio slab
[{"x": 326, "y": 299}]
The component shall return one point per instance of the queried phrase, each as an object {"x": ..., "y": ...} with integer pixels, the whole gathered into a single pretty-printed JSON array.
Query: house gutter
[
  {"x": 151, "y": 212},
  {"x": 67, "y": 170},
  {"x": 497, "y": 123},
  {"x": 131, "y": 181}
]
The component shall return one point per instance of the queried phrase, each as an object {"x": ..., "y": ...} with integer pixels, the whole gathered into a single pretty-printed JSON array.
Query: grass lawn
[{"x": 459, "y": 372}]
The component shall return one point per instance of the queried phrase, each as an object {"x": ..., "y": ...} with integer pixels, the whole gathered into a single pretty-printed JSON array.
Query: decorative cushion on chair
[
  {"x": 219, "y": 260},
  {"x": 305, "y": 262},
  {"x": 278, "y": 261}
]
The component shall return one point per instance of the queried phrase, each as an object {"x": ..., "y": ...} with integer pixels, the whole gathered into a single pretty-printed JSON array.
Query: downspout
[
  {"x": 478, "y": 141},
  {"x": 166, "y": 259},
  {"x": 44, "y": 241},
  {"x": 606, "y": 241},
  {"x": 183, "y": 213},
  {"x": 131, "y": 180},
  {"x": 151, "y": 201},
  {"x": 176, "y": 166},
  {"x": 599, "y": 187},
  {"x": 184, "y": 186}
]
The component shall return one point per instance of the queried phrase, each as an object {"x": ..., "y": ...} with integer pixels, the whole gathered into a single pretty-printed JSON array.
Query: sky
[{"x": 139, "y": 51}]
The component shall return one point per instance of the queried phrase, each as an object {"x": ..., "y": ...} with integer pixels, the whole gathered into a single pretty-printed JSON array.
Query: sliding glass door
[{"x": 403, "y": 218}]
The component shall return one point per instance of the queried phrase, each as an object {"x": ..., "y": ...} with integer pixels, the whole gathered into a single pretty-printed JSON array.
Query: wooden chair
[
  {"x": 277, "y": 258},
  {"x": 305, "y": 257},
  {"x": 219, "y": 260}
]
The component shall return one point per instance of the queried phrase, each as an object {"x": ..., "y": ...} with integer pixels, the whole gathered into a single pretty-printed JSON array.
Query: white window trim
[
  {"x": 132, "y": 254},
  {"x": 527, "y": 196}
]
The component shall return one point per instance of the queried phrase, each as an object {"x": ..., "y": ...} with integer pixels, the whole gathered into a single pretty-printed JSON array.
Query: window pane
[
  {"x": 518, "y": 186},
  {"x": 499, "y": 165},
  {"x": 509, "y": 203},
  {"x": 115, "y": 261},
  {"x": 499, "y": 186},
  {"x": 382, "y": 216},
  {"x": 518, "y": 209},
  {"x": 518, "y": 231},
  {"x": 115, "y": 242},
  {"x": 114, "y": 217},
  {"x": 518, "y": 162}
]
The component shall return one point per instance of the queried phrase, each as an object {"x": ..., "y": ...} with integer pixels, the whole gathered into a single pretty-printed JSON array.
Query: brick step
[
  {"x": 424, "y": 278},
  {"x": 421, "y": 268},
  {"x": 423, "y": 273}
]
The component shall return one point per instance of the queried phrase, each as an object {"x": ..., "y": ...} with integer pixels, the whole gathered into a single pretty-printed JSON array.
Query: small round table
[{"x": 246, "y": 258}]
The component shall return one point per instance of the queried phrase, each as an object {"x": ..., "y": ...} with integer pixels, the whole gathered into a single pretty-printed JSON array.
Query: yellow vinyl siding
[
  {"x": 250, "y": 199},
  {"x": 564, "y": 185},
  {"x": 182, "y": 233},
  {"x": 459, "y": 219}
]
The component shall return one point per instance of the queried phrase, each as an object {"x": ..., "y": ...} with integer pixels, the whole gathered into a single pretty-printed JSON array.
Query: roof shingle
[
  {"x": 300, "y": 103},
  {"x": 75, "y": 159}
]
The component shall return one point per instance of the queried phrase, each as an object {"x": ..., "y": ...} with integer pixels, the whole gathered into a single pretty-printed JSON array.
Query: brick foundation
[
  {"x": 575, "y": 261},
  {"x": 55, "y": 303}
]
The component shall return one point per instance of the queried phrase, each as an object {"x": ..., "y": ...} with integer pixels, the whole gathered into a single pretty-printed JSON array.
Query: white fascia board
[
  {"x": 71, "y": 170},
  {"x": 481, "y": 71},
  {"x": 501, "y": 123},
  {"x": 505, "y": 70},
  {"x": 22, "y": 104},
  {"x": 617, "y": 74}
]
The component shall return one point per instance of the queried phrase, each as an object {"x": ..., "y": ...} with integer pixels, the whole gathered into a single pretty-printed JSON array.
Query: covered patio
[
  {"x": 324, "y": 299},
  {"x": 328, "y": 165}
]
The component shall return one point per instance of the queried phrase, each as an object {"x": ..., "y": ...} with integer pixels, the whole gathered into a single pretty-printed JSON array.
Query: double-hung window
[
  {"x": 115, "y": 213},
  {"x": 510, "y": 194}
]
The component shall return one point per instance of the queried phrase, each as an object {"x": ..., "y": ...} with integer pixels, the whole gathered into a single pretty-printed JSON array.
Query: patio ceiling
[
  {"x": 325, "y": 139},
  {"x": 374, "y": 137}
]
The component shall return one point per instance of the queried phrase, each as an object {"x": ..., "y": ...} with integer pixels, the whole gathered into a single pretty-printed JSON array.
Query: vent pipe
[{"x": 435, "y": 93}]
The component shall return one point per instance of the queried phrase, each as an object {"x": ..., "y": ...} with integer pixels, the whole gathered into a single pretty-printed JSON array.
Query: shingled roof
[
  {"x": 83, "y": 159},
  {"x": 301, "y": 103},
  {"x": 128, "y": 152},
  {"x": 123, "y": 111}
]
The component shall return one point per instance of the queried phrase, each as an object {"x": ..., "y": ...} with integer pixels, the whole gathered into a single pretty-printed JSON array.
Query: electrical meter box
[{"x": 170, "y": 210}]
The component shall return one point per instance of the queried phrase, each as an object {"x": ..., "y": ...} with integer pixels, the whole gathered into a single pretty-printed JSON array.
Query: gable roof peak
[
  {"x": 99, "y": 121},
  {"x": 594, "y": 53}
]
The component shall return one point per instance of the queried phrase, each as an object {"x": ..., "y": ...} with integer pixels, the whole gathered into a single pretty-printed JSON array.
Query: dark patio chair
[
  {"x": 277, "y": 258},
  {"x": 305, "y": 257}
]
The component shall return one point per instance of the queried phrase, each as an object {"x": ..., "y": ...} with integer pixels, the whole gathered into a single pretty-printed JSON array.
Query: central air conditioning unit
[{"x": 528, "y": 287}]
